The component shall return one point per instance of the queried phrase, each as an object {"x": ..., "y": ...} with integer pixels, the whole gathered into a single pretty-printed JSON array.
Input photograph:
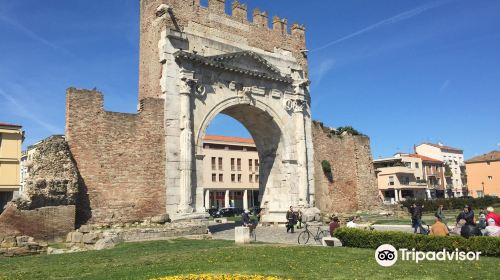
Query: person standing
[
  {"x": 299, "y": 218},
  {"x": 291, "y": 218},
  {"x": 440, "y": 214}
]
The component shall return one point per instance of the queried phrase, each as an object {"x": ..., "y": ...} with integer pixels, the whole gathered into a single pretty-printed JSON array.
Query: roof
[
  {"x": 491, "y": 156},
  {"x": 424, "y": 158},
  {"x": 10, "y": 125},
  {"x": 443, "y": 147},
  {"x": 229, "y": 139}
]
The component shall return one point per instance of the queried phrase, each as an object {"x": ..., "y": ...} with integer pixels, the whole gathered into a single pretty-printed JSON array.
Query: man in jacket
[
  {"x": 468, "y": 215},
  {"x": 291, "y": 217},
  {"x": 416, "y": 216}
]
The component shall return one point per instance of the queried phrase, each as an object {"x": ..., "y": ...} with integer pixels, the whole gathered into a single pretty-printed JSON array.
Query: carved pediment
[
  {"x": 247, "y": 60},
  {"x": 244, "y": 62}
]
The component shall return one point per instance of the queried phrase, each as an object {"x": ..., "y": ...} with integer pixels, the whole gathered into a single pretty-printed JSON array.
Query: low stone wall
[
  {"x": 45, "y": 223},
  {"x": 20, "y": 246},
  {"x": 90, "y": 237}
]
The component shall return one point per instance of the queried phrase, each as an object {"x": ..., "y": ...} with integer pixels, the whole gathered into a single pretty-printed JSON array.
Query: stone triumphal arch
[{"x": 204, "y": 72}]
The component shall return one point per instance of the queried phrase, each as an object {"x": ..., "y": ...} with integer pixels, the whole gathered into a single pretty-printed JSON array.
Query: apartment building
[
  {"x": 11, "y": 138},
  {"x": 230, "y": 172},
  {"x": 406, "y": 176},
  {"x": 483, "y": 174},
  {"x": 453, "y": 159}
]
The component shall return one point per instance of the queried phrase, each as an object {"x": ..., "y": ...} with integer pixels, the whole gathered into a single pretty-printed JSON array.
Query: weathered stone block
[
  {"x": 242, "y": 235},
  {"x": 85, "y": 229},
  {"x": 22, "y": 240},
  {"x": 160, "y": 219},
  {"x": 8, "y": 241},
  {"x": 77, "y": 237},
  {"x": 90, "y": 238},
  {"x": 331, "y": 242}
]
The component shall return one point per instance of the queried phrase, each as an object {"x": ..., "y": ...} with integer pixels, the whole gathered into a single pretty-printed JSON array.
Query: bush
[
  {"x": 359, "y": 238},
  {"x": 327, "y": 169},
  {"x": 453, "y": 203}
]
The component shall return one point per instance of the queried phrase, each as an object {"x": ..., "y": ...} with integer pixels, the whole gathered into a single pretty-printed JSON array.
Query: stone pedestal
[
  {"x": 331, "y": 242},
  {"x": 241, "y": 235}
]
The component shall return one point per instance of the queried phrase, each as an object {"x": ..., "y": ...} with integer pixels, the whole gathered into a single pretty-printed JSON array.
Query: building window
[
  {"x": 233, "y": 178},
  {"x": 250, "y": 161},
  {"x": 391, "y": 180},
  {"x": 220, "y": 163},
  {"x": 408, "y": 164},
  {"x": 250, "y": 178},
  {"x": 232, "y": 164},
  {"x": 238, "y": 164},
  {"x": 214, "y": 177},
  {"x": 256, "y": 178},
  {"x": 490, "y": 178},
  {"x": 239, "y": 178},
  {"x": 221, "y": 178},
  {"x": 416, "y": 164},
  {"x": 213, "y": 163},
  {"x": 256, "y": 165}
]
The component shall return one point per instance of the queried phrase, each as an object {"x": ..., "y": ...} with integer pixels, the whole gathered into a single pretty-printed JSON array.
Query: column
[
  {"x": 245, "y": 199},
  {"x": 429, "y": 194},
  {"x": 186, "y": 135},
  {"x": 396, "y": 196},
  {"x": 226, "y": 199},
  {"x": 207, "y": 199}
]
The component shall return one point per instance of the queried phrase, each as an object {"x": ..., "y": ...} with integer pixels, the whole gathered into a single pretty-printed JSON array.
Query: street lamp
[{"x": 482, "y": 183}]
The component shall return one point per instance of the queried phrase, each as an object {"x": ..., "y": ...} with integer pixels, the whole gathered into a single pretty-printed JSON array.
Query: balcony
[{"x": 394, "y": 170}]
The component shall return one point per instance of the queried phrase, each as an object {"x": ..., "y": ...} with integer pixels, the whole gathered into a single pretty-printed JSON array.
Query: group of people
[
  {"x": 292, "y": 218},
  {"x": 487, "y": 224}
]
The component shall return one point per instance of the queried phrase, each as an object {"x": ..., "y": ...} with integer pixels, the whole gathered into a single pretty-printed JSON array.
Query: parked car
[
  {"x": 228, "y": 212},
  {"x": 212, "y": 211}
]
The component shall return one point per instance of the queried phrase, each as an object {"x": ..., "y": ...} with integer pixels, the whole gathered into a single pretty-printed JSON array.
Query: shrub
[
  {"x": 327, "y": 169},
  {"x": 359, "y": 238},
  {"x": 453, "y": 203}
]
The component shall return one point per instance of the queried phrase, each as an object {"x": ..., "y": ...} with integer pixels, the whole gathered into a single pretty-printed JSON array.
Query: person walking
[
  {"x": 439, "y": 228},
  {"x": 299, "y": 218},
  {"x": 416, "y": 215},
  {"x": 291, "y": 218}
]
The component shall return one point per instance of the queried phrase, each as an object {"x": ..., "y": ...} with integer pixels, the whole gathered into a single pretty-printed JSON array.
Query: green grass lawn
[{"x": 159, "y": 258}]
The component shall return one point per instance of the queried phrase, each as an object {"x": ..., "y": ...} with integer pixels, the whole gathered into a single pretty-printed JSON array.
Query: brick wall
[
  {"x": 45, "y": 223},
  {"x": 121, "y": 157},
  {"x": 255, "y": 33},
  {"x": 354, "y": 185}
]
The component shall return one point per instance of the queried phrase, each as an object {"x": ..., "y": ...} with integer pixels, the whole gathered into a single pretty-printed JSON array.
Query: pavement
[{"x": 278, "y": 234}]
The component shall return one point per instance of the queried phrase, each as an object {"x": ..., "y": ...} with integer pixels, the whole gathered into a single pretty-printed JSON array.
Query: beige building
[
  {"x": 453, "y": 158},
  {"x": 409, "y": 176},
  {"x": 11, "y": 138},
  {"x": 483, "y": 174},
  {"x": 231, "y": 172}
]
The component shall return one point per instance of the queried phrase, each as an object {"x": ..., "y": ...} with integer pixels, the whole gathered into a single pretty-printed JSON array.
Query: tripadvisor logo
[{"x": 387, "y": 255}]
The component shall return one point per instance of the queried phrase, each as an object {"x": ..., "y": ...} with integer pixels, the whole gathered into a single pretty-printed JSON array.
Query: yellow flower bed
[{"x": 208, "y": 276}]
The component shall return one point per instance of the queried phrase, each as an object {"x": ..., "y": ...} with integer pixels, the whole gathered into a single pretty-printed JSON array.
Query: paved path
[
  {"x": 268, "y": 234},
  {"x": 278, "y": 234}
]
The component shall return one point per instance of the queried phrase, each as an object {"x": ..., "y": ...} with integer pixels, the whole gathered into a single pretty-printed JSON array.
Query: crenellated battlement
[{"x": 234, "y": 28}]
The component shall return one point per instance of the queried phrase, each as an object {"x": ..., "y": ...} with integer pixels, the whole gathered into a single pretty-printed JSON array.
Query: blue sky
[{"x": 400, "y": 71}]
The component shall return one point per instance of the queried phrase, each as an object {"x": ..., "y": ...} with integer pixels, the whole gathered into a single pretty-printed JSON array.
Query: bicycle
[{"x": 306, "y": 234}]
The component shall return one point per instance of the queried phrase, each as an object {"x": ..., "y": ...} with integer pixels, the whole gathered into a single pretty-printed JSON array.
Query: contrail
[
  {"x": 28, "y": 115},
  {"x": 33, "y": 35},
  {"x": 394, "y": 19}
]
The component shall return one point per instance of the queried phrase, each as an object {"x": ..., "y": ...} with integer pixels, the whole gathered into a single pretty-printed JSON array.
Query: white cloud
[{"x": 324, "y": 67}]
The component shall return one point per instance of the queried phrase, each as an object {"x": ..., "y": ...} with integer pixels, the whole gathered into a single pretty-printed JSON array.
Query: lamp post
[{"x": 482, "y": 183}]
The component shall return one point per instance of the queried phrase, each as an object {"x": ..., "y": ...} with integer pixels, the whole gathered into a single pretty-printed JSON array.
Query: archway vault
[{"x": 272, "y": 105}]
